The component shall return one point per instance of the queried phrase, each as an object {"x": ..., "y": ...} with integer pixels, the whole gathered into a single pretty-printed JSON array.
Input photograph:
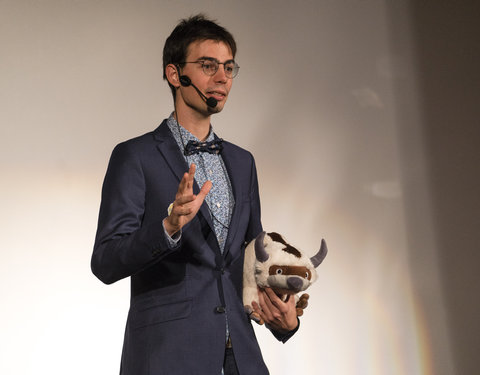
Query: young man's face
[{"x": 217, "y": 85}]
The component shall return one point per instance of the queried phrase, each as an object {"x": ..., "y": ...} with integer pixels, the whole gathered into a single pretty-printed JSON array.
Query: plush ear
[{"x": 172, "y": 74}]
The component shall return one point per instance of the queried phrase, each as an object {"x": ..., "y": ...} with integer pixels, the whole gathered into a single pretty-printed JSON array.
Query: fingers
[
  {"x": 191, "y": 175},
  {"x": 182, "y": 209},
  {"x": 185, "y": 188},
  {"x": 279, "y": 315},
  {"x": 265, "y": 308},
  {"x": 186, "y": 204},
  {"x": 186, "y": 184},
  {"x": 256, "y": 306},
  {"x": 183, "y": 200},
  {"x": 256, "y": 314},
  {"x": 273, "y": 299},
  {"x": 268, "y": 303},
  {"x": 191, "y": 202},
  {"x": 205, "y": 190}
]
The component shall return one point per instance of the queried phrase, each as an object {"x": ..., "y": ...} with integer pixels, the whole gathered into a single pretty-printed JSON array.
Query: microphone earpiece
[{"x": 185, "y": 81}]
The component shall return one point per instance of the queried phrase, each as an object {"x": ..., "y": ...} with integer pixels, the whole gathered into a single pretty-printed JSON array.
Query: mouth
[{"x": 217, "y": 94}]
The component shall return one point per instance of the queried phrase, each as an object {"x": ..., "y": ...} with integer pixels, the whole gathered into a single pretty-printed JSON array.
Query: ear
[{"x": 171, "y": 72}]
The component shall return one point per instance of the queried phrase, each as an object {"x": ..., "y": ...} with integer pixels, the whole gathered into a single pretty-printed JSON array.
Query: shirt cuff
[{"x": 172, "y": 240}]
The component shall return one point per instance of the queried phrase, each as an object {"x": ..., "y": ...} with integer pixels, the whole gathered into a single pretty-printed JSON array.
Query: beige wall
[{"x": 376, "y": 101}]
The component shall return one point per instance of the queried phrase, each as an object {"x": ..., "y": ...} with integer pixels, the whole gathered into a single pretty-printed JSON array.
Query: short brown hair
[{"x": 190, "y": 30}]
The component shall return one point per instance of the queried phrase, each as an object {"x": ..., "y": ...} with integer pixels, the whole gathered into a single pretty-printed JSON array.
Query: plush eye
[
  {"x": 279, "y": 271},
  {"x": 306, "y": 275}
]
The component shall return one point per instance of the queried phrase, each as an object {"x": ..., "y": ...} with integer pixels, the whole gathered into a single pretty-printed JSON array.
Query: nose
[
  {"x": 295, "y": 283},
  {"x": 220, "y": 75}
]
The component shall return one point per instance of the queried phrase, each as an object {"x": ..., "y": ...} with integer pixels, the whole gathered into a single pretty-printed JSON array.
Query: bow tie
[{"x": 212, "y": 147}]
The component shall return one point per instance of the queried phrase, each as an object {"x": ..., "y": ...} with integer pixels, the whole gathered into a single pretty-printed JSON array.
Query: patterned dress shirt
[{"x": 220, "y": 199}]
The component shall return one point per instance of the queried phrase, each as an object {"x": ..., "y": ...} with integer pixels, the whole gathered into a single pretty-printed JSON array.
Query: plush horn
[
  {"x": 318, "y": 257},
  {"x": 260, "y": 252}
]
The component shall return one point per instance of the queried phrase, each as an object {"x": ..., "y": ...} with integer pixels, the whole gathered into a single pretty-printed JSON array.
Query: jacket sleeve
[
  {"x": 284, "y": 337},
  {"x": 123, "y": 246},
  {"x": 255, "y": 223}
]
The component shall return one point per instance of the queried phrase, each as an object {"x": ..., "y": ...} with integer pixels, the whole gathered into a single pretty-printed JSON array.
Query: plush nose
[{"x": 294, "y": 283}]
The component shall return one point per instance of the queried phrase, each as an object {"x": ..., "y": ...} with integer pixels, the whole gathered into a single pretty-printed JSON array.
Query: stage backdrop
[{"x": 360, "y": 115}]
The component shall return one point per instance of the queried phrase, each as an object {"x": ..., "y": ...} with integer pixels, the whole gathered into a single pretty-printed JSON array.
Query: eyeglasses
[{"x": 210, "y": 67}]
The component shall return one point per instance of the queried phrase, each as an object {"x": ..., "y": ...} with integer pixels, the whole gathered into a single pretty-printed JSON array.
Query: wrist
[
  {"x": 169, "y": 227},
  {"x": 294, "y": 325}
]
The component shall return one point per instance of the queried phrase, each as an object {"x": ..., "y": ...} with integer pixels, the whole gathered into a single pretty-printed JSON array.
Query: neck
[{"x": 195, "y": 122}]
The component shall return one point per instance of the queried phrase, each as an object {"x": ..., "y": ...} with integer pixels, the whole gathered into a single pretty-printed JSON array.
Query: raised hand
[{"x": 186, "y": 204}]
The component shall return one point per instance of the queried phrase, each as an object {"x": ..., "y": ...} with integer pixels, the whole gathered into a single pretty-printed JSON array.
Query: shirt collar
[{"x": 182, "y": 135}]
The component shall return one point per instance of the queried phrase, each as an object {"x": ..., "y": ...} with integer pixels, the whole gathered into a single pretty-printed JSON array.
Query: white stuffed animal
[{"x": 271, "y": 262}]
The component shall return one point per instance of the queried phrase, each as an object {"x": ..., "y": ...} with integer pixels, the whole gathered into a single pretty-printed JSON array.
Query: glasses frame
[{"x": 202, "y": 61}]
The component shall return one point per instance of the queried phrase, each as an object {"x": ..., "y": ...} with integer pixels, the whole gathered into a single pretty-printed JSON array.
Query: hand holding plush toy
[{"x": 271, "y": 262}]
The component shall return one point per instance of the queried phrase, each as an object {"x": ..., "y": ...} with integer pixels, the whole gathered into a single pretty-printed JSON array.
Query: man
[{"x": 178, "y": 208}]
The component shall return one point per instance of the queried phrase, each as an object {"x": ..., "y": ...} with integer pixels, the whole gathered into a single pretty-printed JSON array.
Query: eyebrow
[{"x": 208, "y": 58}]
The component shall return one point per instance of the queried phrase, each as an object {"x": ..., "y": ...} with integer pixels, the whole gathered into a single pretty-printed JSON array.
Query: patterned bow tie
[{"x": 212, "y": 147}]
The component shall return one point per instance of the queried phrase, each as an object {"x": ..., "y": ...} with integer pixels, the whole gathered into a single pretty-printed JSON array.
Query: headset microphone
[{"x": 185, "y": 81}]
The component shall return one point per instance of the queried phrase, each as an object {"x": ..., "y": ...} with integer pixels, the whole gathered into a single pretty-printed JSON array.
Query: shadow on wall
[{"x": 445, "y": 38}]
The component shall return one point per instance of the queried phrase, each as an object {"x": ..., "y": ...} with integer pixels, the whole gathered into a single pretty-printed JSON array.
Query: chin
[{"x": 216, "y": 109}]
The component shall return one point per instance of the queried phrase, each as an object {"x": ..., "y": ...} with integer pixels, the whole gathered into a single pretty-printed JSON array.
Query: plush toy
[{"x": 271, "y": 262}]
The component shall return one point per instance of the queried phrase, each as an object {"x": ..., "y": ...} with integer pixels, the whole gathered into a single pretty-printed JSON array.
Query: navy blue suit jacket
[{"x": 176, "y": 323}]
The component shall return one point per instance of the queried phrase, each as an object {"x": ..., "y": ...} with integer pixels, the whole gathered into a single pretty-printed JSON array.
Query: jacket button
[{"x": 220, "y": 309}]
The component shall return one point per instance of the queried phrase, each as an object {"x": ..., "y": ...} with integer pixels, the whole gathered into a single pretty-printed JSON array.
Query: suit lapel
[
  {"x": 231, "y": 165},
  {"x": 170, "y": 151},
  {"x": 175, "y": 160}
]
